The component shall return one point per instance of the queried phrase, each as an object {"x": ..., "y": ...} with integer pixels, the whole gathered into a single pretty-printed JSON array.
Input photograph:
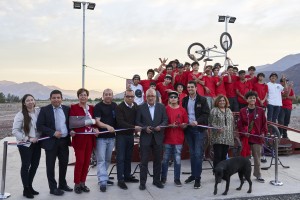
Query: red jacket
[{"x": 259, "y": 127}]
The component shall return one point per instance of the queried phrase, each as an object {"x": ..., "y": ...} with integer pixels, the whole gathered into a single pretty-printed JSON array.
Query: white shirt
[
  {"x": 138, "y": 93},
  {"x": 151, "y": 110},
  {"x": 274, "y": 95}
]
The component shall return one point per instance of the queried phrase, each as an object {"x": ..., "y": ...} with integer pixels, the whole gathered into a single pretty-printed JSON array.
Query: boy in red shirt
[
  {"x": 229, "y": 82},
  {"x": 261, "y": 88},
  {"x": 174, "y": 137},
  {"x": 251, "y": 76},
  {"x": 242, "y": 87},
  {"x": 209, "y": 86},
  {"x": 220, "y": 86},
  {"x": 287, "y": 106},
  {"x": 164, "y": 88},
  {"x": 146, "y": 82}
]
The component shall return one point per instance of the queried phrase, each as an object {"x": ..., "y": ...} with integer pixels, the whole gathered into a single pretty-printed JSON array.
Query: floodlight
[
  {"x": 77, "y": 5},
  {"x": 232, "y": 19},
  {"x": 91, "y": 6},
  {"x": 222, "y": 18}
]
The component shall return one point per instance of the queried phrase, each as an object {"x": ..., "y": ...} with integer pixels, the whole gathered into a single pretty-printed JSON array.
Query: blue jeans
[
  {"x": 171, "y": 150},
  {"x": 104, "y": 148},
  {"x": 273, "y": 112},
  {"x": 284, "y": 119},
  {"x": 195, "y": 140},
  {"x": 124, "y": 148}
]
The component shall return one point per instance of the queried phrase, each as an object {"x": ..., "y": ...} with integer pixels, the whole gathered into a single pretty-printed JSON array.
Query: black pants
[
  {"x": 233, "y": 103},
  {"x": 124, "y": 148},
  {"x": 30, "y": 157},
  {"x": 220, "y": 152},
  {"x": 284, "y": 119},
  {"x": 157, "y": 157},
  {"x": 61, "y": 151}
]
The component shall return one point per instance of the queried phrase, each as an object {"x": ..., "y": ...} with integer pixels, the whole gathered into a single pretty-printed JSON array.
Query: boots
[
  {"x": 27, "y": 193},
  {"x": 33, "y": 191}
]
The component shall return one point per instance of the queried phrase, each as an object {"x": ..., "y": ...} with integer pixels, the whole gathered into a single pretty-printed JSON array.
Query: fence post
[
  {"x": 276, "y": 182},
  {"x": 4, "y": 195}
]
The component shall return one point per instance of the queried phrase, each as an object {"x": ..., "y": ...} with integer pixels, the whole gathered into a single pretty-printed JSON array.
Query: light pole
[
  {"x": 227, "y": 19},
  {"x": 90, "y": 6}
]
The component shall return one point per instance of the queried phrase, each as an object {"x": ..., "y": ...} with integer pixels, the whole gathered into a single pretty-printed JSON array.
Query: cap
[
  {"x": 273, "y": 74},
  {"x": 173, "y": 93},
  {"x": 168, "y": 76}
]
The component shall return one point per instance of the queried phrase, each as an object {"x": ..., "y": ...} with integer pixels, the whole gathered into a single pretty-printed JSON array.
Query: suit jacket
[
  {"x": 202, "y": 110},
  {"x": 46, "y": 125},
  {"x": 144, "y": 119}
]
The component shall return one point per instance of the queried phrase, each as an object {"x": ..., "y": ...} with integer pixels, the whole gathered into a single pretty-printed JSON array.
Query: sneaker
[
  {"x": 163, "y": 180},
  {"x": 103, "y": 188},
  {"x": 77, "y": 189},
  {"x": 260, "y": 179},
  {"x": 122, "y": 185},
  {"x": 110, "y": 182},
  {"x": 263, "y": 160},
  {"x": 177, "y": 182},
  {"x": 197, "y": 184},
  {"x": 190, "y": 179}
]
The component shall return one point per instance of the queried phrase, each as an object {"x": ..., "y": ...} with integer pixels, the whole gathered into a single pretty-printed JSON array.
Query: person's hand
[
  {"x": 110, "y": 129},
  {"x": 72, "y": 133},
  {"x": 149, "y": 129},
  {"x": 57, "y": 134},
  {"x": 174, "y": 125},
  {"x": 207, "y": 90},
  {"x": 157, "y": 128},
  {"x": 247, "y": 134},
  {"x": 183, "y": 125},
  {"x": 33, "y": 140},
  {"x": 194, "y": 123},
  {"x": 96, "y": 131},
  {"x": 137, "y": 129}
]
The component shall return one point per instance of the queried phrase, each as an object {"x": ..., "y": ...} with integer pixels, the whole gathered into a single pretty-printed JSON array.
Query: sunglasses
[
  {"x": 127, "y": 96},
  {"x": 173, "y": 97}
]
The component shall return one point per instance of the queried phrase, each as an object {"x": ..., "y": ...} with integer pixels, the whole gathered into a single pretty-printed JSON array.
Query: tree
[{"x": 2, "y": 98}]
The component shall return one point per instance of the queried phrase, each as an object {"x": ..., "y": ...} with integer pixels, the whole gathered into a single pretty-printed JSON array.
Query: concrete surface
[{"x": 290, "y": 178}]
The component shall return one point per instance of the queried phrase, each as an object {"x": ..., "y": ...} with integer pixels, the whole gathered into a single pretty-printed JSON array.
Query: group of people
[{"x": 162, "y": 115}]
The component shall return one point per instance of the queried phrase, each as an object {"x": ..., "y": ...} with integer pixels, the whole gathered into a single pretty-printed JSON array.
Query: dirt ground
[{"x": 8, "y": 112}]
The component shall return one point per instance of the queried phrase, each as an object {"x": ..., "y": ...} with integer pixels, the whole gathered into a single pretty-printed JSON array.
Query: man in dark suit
[
  {"x": 152, "y": 116},
  {"x": 53, "y": 122}
]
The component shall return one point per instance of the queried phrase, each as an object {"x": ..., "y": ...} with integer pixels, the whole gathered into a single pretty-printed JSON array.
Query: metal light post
[
  {"x": 227, "y": 19},
  {"x": 90, "y": 6}
]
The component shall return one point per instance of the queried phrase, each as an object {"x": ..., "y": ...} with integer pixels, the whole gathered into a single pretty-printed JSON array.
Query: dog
[{"x": 226, "y": 168}]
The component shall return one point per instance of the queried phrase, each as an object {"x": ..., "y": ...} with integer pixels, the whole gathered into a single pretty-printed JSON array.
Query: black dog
[{"x": 226, "y": 168}]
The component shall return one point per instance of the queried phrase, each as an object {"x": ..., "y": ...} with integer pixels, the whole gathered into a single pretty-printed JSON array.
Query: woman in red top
[
  {"x": 83, "y": 139},
  {"x": 174, "y": 137}
]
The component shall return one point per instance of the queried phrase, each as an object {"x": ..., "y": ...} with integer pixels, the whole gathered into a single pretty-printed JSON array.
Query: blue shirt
[
  {"x": 191, "y": 109},
  {"x": 60, "y": 121}
]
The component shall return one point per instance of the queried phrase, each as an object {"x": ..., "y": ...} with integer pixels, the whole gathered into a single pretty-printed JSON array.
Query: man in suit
[
  {"x": 53, "y": 122},
  {"x": 152, "y": 116}
]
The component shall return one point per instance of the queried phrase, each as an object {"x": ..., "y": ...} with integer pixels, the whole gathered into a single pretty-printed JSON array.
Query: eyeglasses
[
  {"x": 173, "y": 97},
  {"x": 127, "y": 96},
  {"x": 151, "y": 96}
]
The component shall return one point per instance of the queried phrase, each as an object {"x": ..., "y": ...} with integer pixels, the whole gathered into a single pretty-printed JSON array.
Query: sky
[{"x": 41, "y": 40}]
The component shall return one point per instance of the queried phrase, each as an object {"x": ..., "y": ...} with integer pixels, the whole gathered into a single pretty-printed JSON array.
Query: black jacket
[{"x": 201, "y": 110}]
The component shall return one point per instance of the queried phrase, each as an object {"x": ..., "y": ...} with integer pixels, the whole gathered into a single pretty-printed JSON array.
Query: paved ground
[{"x": 290, "y": 178}]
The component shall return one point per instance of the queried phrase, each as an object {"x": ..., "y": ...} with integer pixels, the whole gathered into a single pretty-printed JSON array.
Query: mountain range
[{"x": 288, "y": 65}]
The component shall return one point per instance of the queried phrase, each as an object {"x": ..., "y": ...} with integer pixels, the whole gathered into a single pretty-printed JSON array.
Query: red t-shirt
[
  {"x": 243, "y": 88},
  {"x": 146, "y": 85},
  {"x": 261, "y": 90},
  {"x": 200, "y": 89},
  {"x": 181, "y": 96},
  {"x": 221, "y": 88},
  {"x": 164, "y": 94},
  {"x": 181, "y": 78},
  {"x": 253, "y": 80},
  {"x": 178, "y": 116},
  {"x": 288, "y": 103},
  {"x": 211, "y": 85},
  {"x": 230, "y": 87}
]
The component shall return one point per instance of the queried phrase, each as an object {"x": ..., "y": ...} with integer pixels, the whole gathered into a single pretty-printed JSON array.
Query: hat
[
  {"x": 168, "y": 76},
  {"x": 281, "y": 80},
  {"x": 136, "y": 76},
  {"x": 173, "y": 93},
  {"x": 273, "y": 74}
]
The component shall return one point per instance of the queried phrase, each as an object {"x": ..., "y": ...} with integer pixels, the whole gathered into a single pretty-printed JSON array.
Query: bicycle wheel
[
  {"x": 196, "y": 49},
  {"x": 226, "y": 41},
  {"x": 272, "y": 132}
]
